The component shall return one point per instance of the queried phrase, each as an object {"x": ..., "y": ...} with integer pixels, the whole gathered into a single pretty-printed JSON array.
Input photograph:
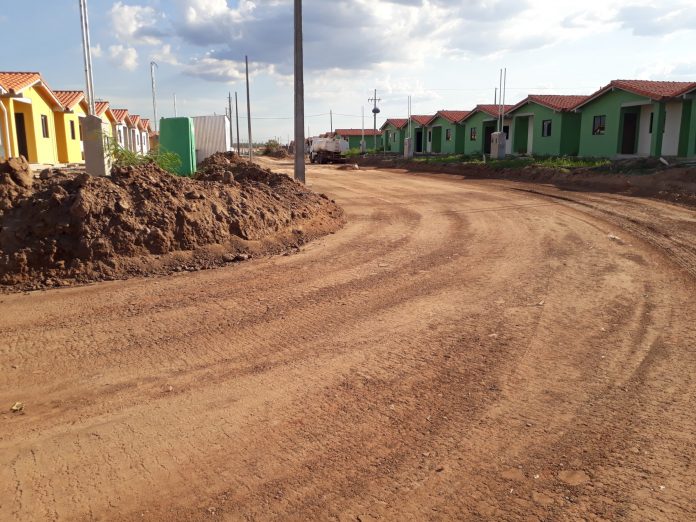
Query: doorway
[
  {"x": 419, "y": 140},
  {"x": 22, "y": 147},
  {"x": 630, "y": 133},
  {"x": 487, "y": 132}
]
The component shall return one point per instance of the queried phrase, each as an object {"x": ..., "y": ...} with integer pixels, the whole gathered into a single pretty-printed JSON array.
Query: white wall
[
  {"x": 670, "y": 140},
  {"x": 644, "y": 135},
  {"x": 530, "y": 134}
]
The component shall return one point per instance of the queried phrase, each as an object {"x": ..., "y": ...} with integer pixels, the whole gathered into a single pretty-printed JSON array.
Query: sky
[{"x": 445, "y": 54}]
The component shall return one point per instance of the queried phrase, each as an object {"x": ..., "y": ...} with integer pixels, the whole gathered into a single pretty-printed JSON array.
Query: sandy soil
[{"x": 472, "y": 350}]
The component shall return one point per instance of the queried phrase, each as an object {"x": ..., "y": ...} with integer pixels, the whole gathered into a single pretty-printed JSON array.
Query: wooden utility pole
[
  {"x": 251, "y": 155},
  {"x": 299, "y": 97}
]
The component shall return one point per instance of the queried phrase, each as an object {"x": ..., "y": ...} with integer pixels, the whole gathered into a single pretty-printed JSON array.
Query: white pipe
[{"x": 6, "y": 145}]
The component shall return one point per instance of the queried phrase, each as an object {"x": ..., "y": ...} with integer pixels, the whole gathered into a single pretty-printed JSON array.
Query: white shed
[{"x": 212, "y": 134}]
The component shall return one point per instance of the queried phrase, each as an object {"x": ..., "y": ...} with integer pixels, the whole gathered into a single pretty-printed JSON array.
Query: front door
[
  {"x": 487, "y": 131},
  {"x": 419, "y": 140},
  {"x": 22, "y": 147},
  {"x": 630, "y": 129}
]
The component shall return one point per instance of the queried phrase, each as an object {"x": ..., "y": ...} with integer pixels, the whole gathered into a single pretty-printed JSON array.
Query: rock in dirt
[
  {"x": 78, "y": 228},
  {"x": 17, "y": 171}
]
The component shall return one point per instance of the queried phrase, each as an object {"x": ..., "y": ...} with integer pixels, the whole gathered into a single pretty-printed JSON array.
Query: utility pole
[
  {"x": 229, "y": 105},
  {"x": 175, "y": 115},
  {"x": 299, "y": 97},
  {"x": 331, "y": 120},
  {"x": 154, "y": 97},
  {"x": 236, "y": 113},
  {"x": 87, "y": 52},
  {"x": 375, "y": 112},
  {"x": 246, "y": 61}
]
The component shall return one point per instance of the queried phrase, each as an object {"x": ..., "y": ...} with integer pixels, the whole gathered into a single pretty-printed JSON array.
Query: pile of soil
[
  {"x": 64, "y": 227},
  {"x": 642, "y": 177}
]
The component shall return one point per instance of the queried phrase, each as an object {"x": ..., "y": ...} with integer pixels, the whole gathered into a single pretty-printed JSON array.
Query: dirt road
[{"x": 460, "y": 350}]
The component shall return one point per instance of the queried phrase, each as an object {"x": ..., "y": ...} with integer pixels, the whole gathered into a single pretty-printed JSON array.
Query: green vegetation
[
  {"x": 120, "y": 157},
  {"x": 554, "y": 162}
]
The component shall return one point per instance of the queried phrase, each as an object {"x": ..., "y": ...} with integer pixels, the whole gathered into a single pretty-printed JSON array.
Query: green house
[
  {"x": 393, "y": 134},
  {"x": 447, "y": 132},
  {"x": 421, "y": 135},
  {"x": 545, "y": 125},
  {"x": 373, "y": 139},
  {"x": 630, "y": 118},
  {"x": 480, "y": 124}
]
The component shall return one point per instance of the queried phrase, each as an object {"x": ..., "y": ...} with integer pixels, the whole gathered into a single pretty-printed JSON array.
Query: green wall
[
  {"x": 691, "y": 142},
  {"x": 479, "y": 121},
  {"x": 354, "y": 141},
  {"x": 565, "y": 131},
  {"x": 394, "y": 145},
  {"x": 440, "y": 142},
  {"x": 608, "y": 144}
]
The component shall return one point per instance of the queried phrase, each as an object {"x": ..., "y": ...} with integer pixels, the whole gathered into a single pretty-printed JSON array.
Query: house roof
[
  {"x": 422, "y": 119},
  {"x": 101, "y": 107},
  {"x": 120, "y": 114},
  {"x": 356, "y": 132},
  {"x": 69, "y": 99},
  {"x": 18, "y": 81},
  {"x": 655, "y": 90},
  {"x": 146, "y": 124},
  {"x": 556, "y": 102},
  {"x": 453, "y": 116},
  {"x": 135, "y": 119},
  {"x": 399, "y": 123}
]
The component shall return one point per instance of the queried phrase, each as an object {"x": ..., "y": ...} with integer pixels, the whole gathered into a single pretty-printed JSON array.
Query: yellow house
[
  {"x": 71, "y": 148},
  {"x": 27, "y": 124}
]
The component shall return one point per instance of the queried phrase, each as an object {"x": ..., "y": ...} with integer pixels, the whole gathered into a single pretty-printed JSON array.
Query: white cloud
[
  {"x": 97, "y": 51},
  {"x": 123, "y": 57},
  {"x": 165, "y": 55},
  {"x": 135, "y": 24},
  {"x": 221, "y": 70}
]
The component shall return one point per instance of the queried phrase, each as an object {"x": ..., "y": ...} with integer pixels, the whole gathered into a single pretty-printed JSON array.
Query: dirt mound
[{"x": 76, "y": 227}]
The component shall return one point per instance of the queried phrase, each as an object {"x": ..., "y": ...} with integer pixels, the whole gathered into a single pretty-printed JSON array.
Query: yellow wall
[
  {"x": 40, "y": 149},
  {"x": 69, "y": 150}
]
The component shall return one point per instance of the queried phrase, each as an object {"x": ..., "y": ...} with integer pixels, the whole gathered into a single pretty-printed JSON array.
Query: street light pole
[
  {"x": 154, "y": 98},
  {"x": 87, "y": 51},
  {"x": 299, "y": 97}
]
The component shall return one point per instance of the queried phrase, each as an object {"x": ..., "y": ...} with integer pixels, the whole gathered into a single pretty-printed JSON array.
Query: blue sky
[{"x": 444, "y": 53}]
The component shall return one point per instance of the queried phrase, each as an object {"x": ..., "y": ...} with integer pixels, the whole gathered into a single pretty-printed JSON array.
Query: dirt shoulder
[{"x": 674, "y": 184}]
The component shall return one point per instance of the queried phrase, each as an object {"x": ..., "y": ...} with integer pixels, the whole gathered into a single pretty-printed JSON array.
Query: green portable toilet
[{"x": 176, "y": 135}]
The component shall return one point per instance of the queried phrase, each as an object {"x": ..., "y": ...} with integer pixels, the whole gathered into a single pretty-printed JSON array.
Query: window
[
  {"x": 598, "y": 124},
  {"x": 44, "y": 125},
  {"x": 546, "y": 128},
  {"x": 430, "y": 136},
  {"x": 72, "y": 130},
  {"x": 651, "y": 122},
  {"x": 506, "y": 130},
  {"x": 80, "y": 129},
  {"x": 472, "y": 134},
  {"x": 448, "y": 134},
  {"x": 120, "y": 135}
]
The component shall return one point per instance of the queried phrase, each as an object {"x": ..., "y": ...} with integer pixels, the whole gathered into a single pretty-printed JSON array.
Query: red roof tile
[
  {"x": 101, "y": 107},
  {"x": 69, "y": 99},
  {"x": 120, "y": 114},
  {"x": 396, "y": 122},
  {"x": 135, "y": 119},
  {"x": 491, "y": 110},
  {"x": 18, "y": 81},
  {"x": 556, "y": 102},
  {"x": 655, "y": 90},
  {"x": 146, "y": 123},
  {"x": 422, "y": 119},
  {"x": 453, "y": 116},
  {"x": 356, "y": 132}
]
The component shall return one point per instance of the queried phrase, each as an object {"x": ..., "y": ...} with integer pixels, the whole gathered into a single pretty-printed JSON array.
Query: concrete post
[{"x": 97, "y": 162}]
